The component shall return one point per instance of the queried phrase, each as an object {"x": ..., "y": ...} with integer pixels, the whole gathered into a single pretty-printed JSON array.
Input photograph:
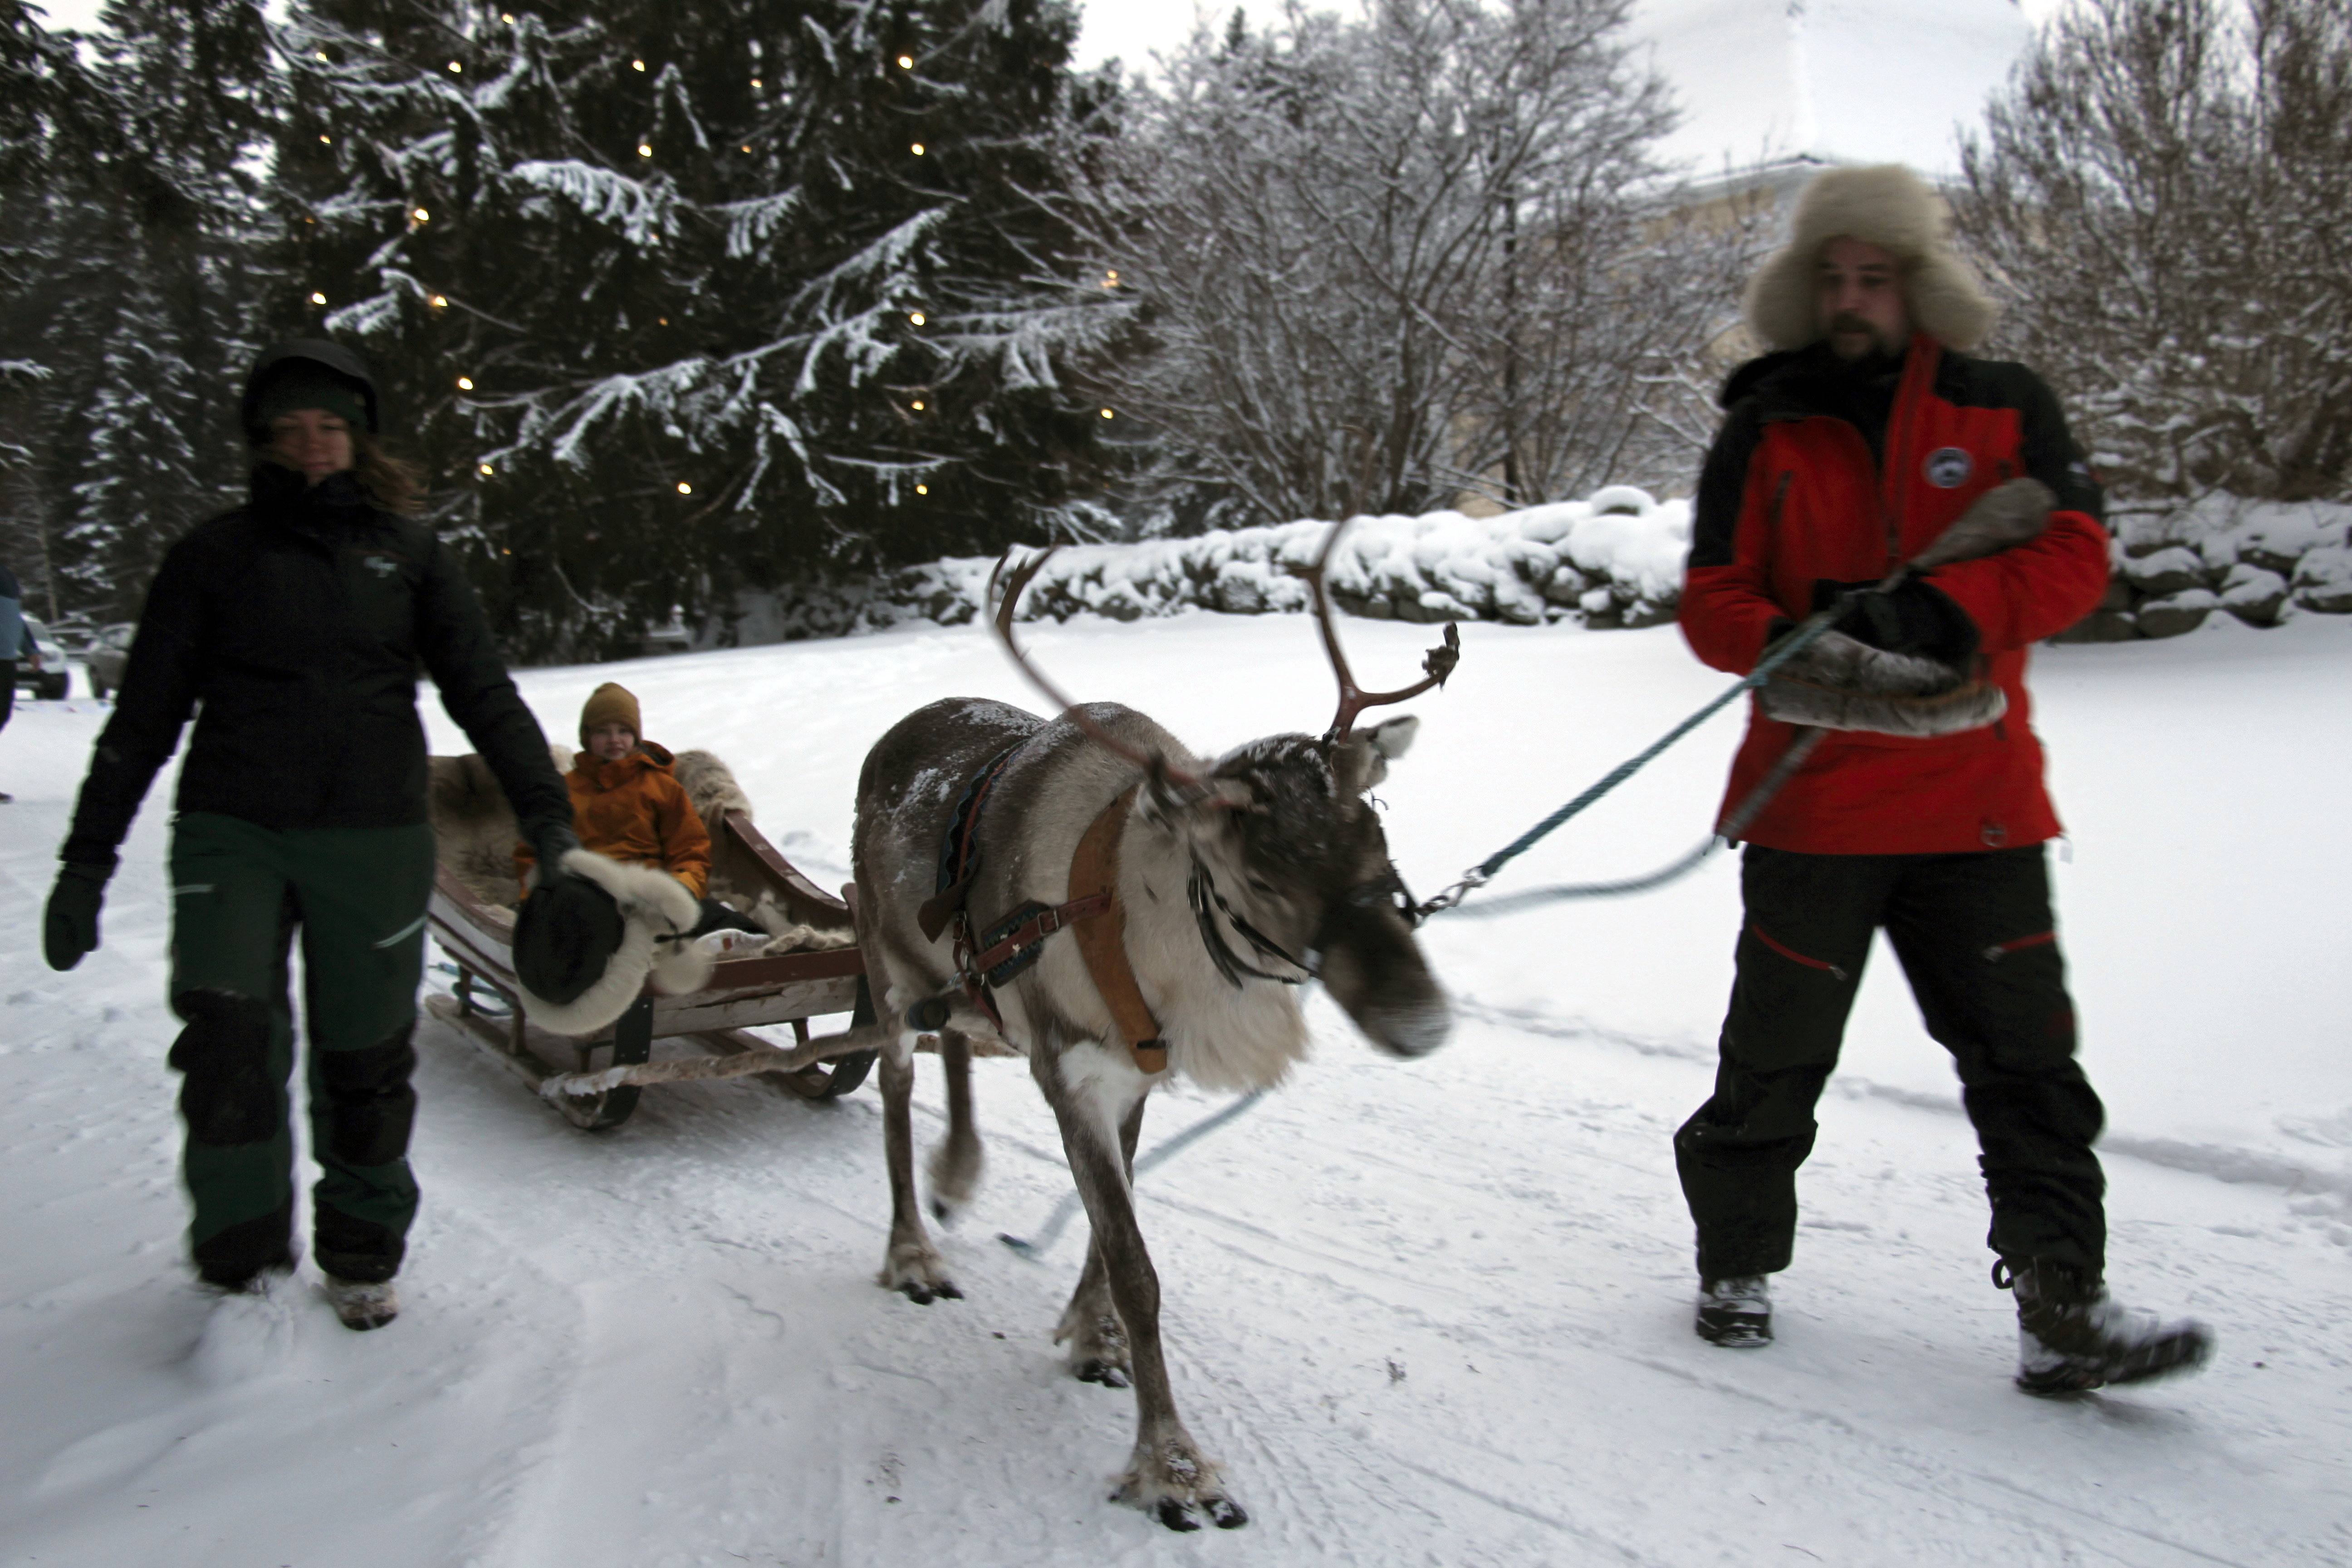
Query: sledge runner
[
  {"x": 298, "y": 623},
  {"x": 1862, "y": 434}
]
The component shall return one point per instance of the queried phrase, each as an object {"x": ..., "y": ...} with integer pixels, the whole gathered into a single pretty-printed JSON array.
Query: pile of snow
[{"x": 1614, "y": 559}]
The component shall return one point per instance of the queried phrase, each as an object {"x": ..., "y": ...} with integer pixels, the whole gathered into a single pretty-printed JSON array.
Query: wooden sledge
[{"x": 743, "y": 993}]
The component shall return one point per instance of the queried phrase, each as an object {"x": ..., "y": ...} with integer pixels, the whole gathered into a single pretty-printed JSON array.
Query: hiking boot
[
  {"x": 2072, "y": 1337},
  {"x": 1736, "y": 1312},
  {"x": 362, "y": 1304}
]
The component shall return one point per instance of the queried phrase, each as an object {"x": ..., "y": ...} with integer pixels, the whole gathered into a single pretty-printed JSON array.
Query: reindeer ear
[
  {"x": 1164, "y": 803},
  {"x": 1393, "y": 737},
  {"x": 1363, "y": 759},
  {"x": 1160, "y": 800}
]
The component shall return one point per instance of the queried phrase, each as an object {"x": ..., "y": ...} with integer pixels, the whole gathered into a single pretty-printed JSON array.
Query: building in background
[{"x": 1773, "y": 90}]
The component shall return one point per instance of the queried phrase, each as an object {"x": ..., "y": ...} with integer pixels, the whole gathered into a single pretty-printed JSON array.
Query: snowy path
[{"x": 1431, "y": 1312}]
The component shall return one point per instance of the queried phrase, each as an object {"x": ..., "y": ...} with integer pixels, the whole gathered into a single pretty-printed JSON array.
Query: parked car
[
  {"x": 47, "y": 674},
  {"x": 670, "y": 637},
  {"x": 109, "y": 649},
  {"x": 73, "y": 633}
]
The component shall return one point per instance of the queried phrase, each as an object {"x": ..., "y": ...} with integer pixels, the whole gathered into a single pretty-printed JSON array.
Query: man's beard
[{"x": 1873, "y": 345}]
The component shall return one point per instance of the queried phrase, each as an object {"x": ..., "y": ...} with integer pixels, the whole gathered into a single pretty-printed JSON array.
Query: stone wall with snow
[
  {"x": 2259, "y": 561},
  {"x": 1612, "y": 559}
]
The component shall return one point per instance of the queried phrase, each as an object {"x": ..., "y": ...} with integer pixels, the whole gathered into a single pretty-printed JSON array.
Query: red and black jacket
[{"x": 1793, "y": 494}]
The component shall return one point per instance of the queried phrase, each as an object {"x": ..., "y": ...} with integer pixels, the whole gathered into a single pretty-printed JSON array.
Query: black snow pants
[
  {"x": 357, "y": 895},
  {"x": 1976, "y": 939}
]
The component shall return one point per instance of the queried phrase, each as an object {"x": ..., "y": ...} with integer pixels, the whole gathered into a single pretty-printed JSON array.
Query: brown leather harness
[{"x": 1091, "y": 911}]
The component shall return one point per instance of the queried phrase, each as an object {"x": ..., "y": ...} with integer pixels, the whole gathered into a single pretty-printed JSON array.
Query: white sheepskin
[
  {"x": 787, "y": 935},
  {"x": 657, "y": 912}
]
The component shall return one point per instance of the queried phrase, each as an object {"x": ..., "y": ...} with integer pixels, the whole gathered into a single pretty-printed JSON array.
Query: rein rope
[
  {"x": 1035, "y": 1248},
  {"x": 1726, "y": 832}
]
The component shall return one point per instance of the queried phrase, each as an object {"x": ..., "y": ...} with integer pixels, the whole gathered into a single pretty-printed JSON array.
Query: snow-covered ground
[{"x": 1429, "y": 1313}]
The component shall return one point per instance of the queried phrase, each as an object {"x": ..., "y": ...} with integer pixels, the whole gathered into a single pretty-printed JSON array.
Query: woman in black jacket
[{"x": 298, "y": 623}]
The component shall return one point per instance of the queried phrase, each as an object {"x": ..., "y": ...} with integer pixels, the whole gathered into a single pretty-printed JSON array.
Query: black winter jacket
[{"x": 298, "y": 622}]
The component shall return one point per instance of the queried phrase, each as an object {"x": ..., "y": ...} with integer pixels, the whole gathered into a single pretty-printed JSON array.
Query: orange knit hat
[{"x": 610, "y": 703}]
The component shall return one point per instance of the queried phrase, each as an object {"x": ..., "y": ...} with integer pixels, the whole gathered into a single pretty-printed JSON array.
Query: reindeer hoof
[
  {"x": 1176, "y": 1486},
  {"x": 1109, "y": 1373},
  {"x": 1177, "y": 1515},
  {"x": 1185, "y": 1517},
  {"x": 917, "y": 1271},
  {"x": 923, "y": 1292}
]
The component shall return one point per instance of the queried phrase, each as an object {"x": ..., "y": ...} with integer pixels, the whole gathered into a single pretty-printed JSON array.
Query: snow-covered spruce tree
[
  {"x": 49, "y": 121},
  {"x": 680, "y": 297},
  {"x": 136, "y": 291},
  {"x": 2161, "y": 192},
  {"x": 1380, "y": 263}
]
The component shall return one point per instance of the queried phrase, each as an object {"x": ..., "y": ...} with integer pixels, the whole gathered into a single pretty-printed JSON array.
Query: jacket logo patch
[
  {"x": 1949, "y": 467},
  {"x": 382, "y": 565}
]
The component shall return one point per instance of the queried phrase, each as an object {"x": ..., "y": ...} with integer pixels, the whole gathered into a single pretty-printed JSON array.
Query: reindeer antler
[
  {"x": 1353, "y": 699},
  {"x": 1001, "y": 613}
]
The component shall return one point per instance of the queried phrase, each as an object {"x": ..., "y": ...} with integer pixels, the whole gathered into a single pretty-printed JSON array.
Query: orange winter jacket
[
  {"x": 635, "y": 811},
  {"x": 1793, "y": 495}
]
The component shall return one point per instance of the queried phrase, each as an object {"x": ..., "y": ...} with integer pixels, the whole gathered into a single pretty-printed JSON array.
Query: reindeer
[{"x": 1198, "y": 895}]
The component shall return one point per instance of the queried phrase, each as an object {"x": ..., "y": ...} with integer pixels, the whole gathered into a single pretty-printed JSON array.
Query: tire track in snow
[{"x": 1939, "y": 1478}]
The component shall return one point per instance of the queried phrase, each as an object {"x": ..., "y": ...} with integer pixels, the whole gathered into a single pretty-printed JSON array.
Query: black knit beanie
[{"x": 306, "y": 384}]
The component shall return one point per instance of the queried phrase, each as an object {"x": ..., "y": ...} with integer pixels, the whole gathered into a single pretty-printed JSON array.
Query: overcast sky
[{"x": 1130, "y": 29}]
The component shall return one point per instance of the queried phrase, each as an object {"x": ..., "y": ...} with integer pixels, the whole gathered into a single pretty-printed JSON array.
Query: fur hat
[
  {"x": 1884, "y": 204},
  {"x": 610, "y": 703}
]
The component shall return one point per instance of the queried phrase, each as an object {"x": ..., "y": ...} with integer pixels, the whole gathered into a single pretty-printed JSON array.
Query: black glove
[
  {"x": 551, "y": 841},
  {"x": 69, "y": 928},
  {"x": 1916, "y": 617}
]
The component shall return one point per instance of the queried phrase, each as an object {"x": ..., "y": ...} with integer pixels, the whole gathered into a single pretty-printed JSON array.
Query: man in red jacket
[{"x": 1861, "y": 437}]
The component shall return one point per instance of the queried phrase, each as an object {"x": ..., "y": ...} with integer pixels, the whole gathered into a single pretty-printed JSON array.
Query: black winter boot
[
  {"x": 1736, "y": 1312},
  {"x": 2072, "y": 1337}
]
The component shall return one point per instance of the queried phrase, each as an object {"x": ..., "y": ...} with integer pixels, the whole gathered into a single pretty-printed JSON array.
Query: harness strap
[
  {"x": 1092, "y": 914},
  {"x": 1040, "y": 926},
  {"x": 960, "y": 852},
  {"x": 1101, "y": 935}
]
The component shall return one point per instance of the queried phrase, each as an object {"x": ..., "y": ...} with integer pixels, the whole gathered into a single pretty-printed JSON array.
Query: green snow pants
[{"x": 357, "y": 894}]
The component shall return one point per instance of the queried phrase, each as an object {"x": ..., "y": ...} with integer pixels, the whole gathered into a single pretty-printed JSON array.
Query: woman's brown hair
[{"x": 390, "y": 482}]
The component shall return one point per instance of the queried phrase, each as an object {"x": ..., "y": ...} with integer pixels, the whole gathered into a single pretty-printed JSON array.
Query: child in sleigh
[{"x": 628, "y": 805}]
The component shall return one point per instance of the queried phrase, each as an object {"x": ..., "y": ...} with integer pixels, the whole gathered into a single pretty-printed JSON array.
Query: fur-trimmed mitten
[
  {"x": 656, "y": 914},
  {"x": 1840, "y": 683}
]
